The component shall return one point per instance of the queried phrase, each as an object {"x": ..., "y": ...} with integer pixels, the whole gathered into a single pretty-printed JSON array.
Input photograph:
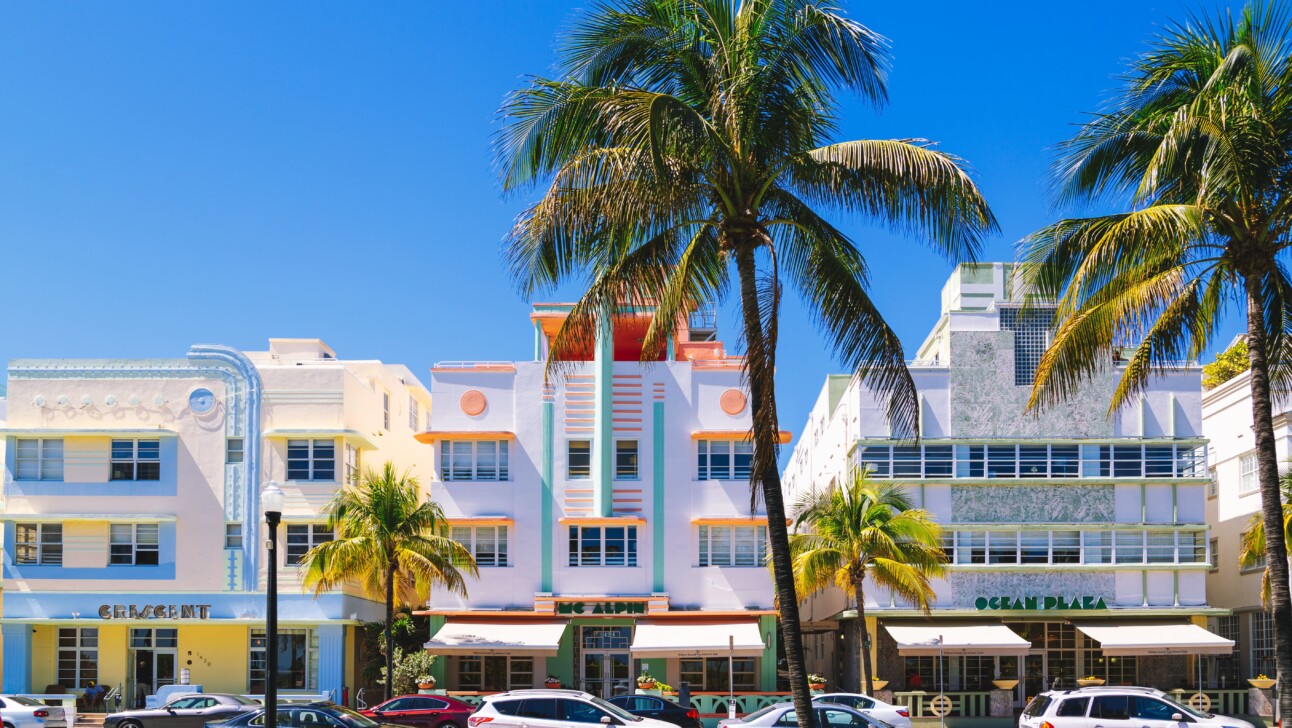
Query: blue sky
[{"x": 173, "y": 173}]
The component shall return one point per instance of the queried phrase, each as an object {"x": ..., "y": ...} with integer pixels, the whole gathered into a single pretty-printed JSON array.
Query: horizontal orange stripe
[
  {"x": 785, "y": 435},
  {"x": 429, "y": 437}
]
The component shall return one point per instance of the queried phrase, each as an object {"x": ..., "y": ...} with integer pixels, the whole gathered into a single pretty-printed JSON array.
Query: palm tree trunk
[
  {"x": 863, "y": 636},
  {"x": 390, "y": 631},
  {"x": 762, "y": 395},
  {"x": 1276, "y": 555}
]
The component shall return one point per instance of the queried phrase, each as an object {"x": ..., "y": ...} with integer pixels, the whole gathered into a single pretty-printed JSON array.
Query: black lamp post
[{"x": 271, "y": 501}]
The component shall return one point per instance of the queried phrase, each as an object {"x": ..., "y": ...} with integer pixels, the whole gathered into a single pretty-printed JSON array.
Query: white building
[{"x": 1076, "y": 531}]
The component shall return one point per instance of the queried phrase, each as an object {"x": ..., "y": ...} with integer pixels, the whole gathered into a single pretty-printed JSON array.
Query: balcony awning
[
  {"x": 957, "y": 639},
  {"x": 1154, "y": 638},
  {"x": 494, "y": 638},
  {"x": 697, "y": 639}
]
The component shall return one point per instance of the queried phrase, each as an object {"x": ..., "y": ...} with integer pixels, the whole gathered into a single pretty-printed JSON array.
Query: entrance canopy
[
  {"x": 707, "y": 639},
  {"x": 957, "y": 639},
  {"x": 492, "y": 638},
  {"x": 1154, "y": 638}
]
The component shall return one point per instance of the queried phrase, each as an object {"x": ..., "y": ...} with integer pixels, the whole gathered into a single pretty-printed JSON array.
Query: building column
[
  {"x": 439, "y": 668},
  {"x": 603, "y": 444},
  {"x": 546, "y": 494},
  {"x": 767, "y": 668},
  {"x": 331, "y": 660},
  {"x": 17, "y": 658},
  {"x": 657, "y": 501}
]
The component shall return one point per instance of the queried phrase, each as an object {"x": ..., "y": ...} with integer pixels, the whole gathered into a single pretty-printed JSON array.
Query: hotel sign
[
  {"x": 1040, "y": 604},
  {"x": 155, "y": 611},
  {"x": 601, "y": 608}
]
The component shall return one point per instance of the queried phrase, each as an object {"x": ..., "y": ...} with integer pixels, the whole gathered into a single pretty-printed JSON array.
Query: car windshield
[
  {"x": 615, "y": 710},
  {"x": 1186, "y": 710},
  {"x": 241, "y": 700},
  {"x": 24, "y": 701},
  {"x": 351, "y": 718}
]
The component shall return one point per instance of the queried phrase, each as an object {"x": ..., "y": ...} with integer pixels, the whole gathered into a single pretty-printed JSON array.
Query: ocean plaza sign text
[{"x": 1041, "y": 604}]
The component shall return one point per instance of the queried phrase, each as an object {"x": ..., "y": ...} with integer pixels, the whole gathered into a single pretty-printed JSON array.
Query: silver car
[
  {"x": 19, "y": 712},
  {"x": 895, "y": 715},
  {"x": 184, "y": 711},
  {"x": 826, "y": 715}
]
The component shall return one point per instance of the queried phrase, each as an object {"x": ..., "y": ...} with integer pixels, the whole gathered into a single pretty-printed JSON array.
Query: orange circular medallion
[
  {"x": 733, "y": 401},
  {"x": 473, "y": 402}
]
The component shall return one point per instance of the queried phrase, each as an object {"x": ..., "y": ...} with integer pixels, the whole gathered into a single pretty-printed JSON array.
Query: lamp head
[{"x": 271, "y": 499}]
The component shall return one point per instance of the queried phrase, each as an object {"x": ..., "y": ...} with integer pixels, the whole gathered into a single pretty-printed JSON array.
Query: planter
[
  {"x": 1265, "y": 684},
  {"x": 646, "y": 685},
  {"x": 552, "y": 684},
  {"x": 879, "y": 684},
  {"x": 1005, "y": 684},
  {"x": 1090, "y": 683},
  {"x": 817, "y": 686},
  {"x": 425, "y": 686}
]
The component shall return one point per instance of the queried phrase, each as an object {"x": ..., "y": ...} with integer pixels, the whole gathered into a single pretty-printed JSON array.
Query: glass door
[
  {"x": 1033, "y": 682},
  {"x": 605, "y": 664}
]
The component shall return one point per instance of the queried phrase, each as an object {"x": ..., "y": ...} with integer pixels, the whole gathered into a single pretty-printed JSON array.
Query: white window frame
[
  {"x": 717, "y": 545},
  {"x": 475, "y": 470},
  {"x": 470, "y": 536},
  {"x": 83, "y": 652},
  {"x": 569, "y": 459},
  {"x": 315, "y": 534},
  {"x": 235, "y": 450},
  {"x": 48, "y": 464},
  {"x": 414, "y": 413},
  {"x": 352, "y": 464},
  {"x": 516, "y": 678},
  {"x": 705, "y": 451},
  {"x": 312, "y": 459},
  {"x": 139, "y": 546},
  {"x": 233, "y": 535},
  {"x": 258, "y": 663},
  {"x": 620, "y": 473},
  {"x": 135, "y": 460},
  {"x": 385, "y": 411},
  {"x": 1248, "y": 474},
  {"x": 989, "y": 549},
  {"x": 577, "y": 557},
  {"x": 46, "y": 544}
]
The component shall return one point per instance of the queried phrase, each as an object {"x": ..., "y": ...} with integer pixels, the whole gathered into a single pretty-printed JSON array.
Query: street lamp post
[{"x": 271, "y": 501}]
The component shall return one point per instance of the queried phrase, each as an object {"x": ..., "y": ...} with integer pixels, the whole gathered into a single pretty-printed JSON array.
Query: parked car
[
  {"x": 827, "y": 715},
  {"x": 423, "y": 711},
  {"x": 19, "y": 712},
  {"x": 309, "y": 715},
  {"x": 1115, "y": 707},
  {"x": 650, "y": 706},
  {"x": 184, "y": 711},
  {"x": 553, "y": 709},
  {"x": 894, "y": 715}
]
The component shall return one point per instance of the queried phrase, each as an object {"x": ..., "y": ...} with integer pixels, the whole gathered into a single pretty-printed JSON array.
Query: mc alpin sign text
[{"x": 1041, "y": 604}]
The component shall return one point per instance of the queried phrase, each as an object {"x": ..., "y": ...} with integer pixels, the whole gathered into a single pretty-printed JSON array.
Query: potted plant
[
  {"x": 816, "y": 682},
  {"x": 666, "y": 690},
  {"x": 1089, "y": 681},
  {"x": 645, "y": 681},
  {"x": 1261, "y": 681},
  {"x": 552, "y": 682},
  {"x": 426, "y": 682}
]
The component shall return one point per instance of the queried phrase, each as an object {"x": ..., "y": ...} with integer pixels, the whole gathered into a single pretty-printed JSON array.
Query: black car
[
  {"x": 649, "y": 706},
  {"x": 310, "y": 715},
  {"x": 186, "y": 711}
]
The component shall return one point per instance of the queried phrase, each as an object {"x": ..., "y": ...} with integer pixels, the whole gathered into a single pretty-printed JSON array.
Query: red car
[{"x": 422, "y": 711}]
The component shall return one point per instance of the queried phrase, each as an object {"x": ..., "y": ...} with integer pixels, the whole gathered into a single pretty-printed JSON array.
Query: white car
[
  {"x": 553, "y": 709},
  {"x": 19, "y": 712},
  {"x": 894, "y": 715},
  {"x": 1117, "y": 707},
  {"x": 783, "y": 715}
]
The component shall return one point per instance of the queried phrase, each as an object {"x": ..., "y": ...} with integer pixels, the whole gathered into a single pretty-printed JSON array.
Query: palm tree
[
  {"x": 393, "y": 542},
  {"x": 681, "y": 138},
  {"x": 1251, "y": 544},
  {"x": 1197, "y": 144},
  {"x": 861, "y": 529}
]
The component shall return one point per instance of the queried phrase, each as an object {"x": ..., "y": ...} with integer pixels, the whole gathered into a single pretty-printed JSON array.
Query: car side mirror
[
  {"x": 1177, "y": 717},
  {"x": 607, "y": 720}
]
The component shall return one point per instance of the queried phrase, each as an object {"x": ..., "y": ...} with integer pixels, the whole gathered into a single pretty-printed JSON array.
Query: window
[
  {"x": 578, "y": 459},
  {"x": 733, "y": 545},
  {"x": 150, "y": 638},
  {"x": 385, "y": 410},
  {"x": 1111, "y": 707},
  {"x": 136, "y": 460},
  {"x": 38, "y": 543},
  {"x": 78, "y": 657},
  {"x": 1073, "y": 708},
  {"x": 1213, "y": 484},
  {"x": 311, "y": 460},
  {"x": 474, "y": 460},
  {"x": 1215, "y": 554},
  {"x": 133, "y": 544},
  {"x": 1262, "y": 652},
  {"x": 233, "y": 450},
  {"x": 233, "y": 535},
  {"x": 1002, "y": 547},
  {"x": 494, "y": 673},
  {"x": 351, "y": 464},
  {"x": 488, "y": 544},
  {"x": 1031, "y": 327},
  {"x": 1027, "y": 547},
  {"x": 1149, "y": 709},
  {"x": 414, "y": 413},
  {"x": 724, "y": 459},
  {"x": 711, "y": 673},
  {"x": 301, "y": 537},
  {"x": 577, "y": 711},
  {"x": 297, "y": 660},
  {"x": 1247, "y": 479},
  {"x": 603, "y": 545},
  {"x": 38, "y": 459},
  {"x": 626, "y": 460}
]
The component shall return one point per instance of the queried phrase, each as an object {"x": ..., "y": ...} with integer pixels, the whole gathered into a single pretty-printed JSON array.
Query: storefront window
[
  {"x": 1262, "y": 644},
  {"x": 150, "y": 638},
  {"x": 711, "y": 673},
  {"x": 297, "y": 660},
  {"x": 495, "y": 672},
  {"x": 78, "y": 657}
]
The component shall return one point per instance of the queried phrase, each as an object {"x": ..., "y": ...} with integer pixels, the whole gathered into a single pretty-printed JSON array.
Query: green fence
[
  {"x": 964, "y": 704},
  {"x": 1224, "y": 702}
]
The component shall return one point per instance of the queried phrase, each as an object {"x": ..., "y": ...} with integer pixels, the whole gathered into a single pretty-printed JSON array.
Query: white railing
[{"x": 471, "y": 364}]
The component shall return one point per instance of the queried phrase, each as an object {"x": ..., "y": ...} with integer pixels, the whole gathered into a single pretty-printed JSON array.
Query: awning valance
[
  {"x": 491, "y": 638},
  {"x": 699, "y": 639},
  {"x": 1154, "y": 638},
  {"x": 956, "y": 639}
]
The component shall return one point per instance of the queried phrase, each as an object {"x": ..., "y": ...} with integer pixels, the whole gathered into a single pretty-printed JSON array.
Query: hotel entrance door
[
  {"x": 605, "y": 664},
  {"x": 154, "y": 659}
]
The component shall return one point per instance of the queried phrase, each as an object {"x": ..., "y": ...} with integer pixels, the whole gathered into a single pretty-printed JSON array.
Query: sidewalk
[{"x": 956, "y": 722}]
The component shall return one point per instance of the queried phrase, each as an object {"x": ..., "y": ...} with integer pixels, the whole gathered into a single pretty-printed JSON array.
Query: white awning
[
  {"x": 957, "y": 639},
  {"x": 708, "y": 639},
  {"x": 1155, "y": 638},
  {"x": 491, "y": 638}
]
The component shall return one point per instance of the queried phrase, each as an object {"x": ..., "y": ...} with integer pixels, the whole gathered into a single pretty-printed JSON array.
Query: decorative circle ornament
[
  {"x": 1200, "y": 701},
  {"x": 940, "y": 706},
  {"x": 63, "y": 400},
  {"x": 39, "y": 400},
  {"x": 110, "y": 400},
  {"x": 733, "y": 401},
  {"x": 201, "y": 400},
  {"x": 135, "y": 401},
  {"x": 473, "y": 402}
]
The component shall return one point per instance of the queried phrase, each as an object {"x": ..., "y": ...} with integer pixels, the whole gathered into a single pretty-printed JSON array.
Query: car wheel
[
  {"x": 448, "y": 724},
  {"x": 129, "y": 724},
  {"x": 7, "y": 724}
]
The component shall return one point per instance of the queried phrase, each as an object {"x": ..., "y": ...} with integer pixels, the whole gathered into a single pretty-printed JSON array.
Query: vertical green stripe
[
  {"x": 657, "y": 510},
  {"x": 767, "y": 670},
  {"x": 603, "y": 419},
  {"x": 547, "y": 497},
  {"x": 435, "y": 622}
]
